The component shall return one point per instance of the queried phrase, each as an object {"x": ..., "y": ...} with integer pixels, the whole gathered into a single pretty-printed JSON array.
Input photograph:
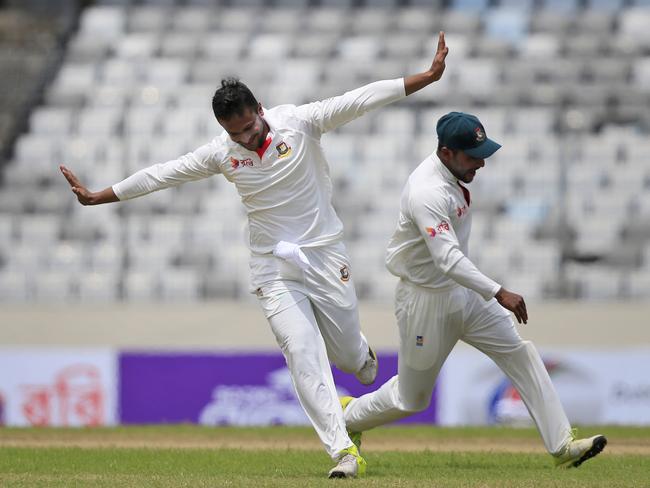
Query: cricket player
[
  {"x": 300, "y": 269},
  {"x": 442, "y": 298}
]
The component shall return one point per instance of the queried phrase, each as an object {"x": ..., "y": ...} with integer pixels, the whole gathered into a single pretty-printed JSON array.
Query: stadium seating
[{"x": 561, "y": 84}]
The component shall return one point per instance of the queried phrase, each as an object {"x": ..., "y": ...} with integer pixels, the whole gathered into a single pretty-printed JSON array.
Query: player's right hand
[
  {"x": 513, "y": 302},
  {"x": 84, "y": 196}
]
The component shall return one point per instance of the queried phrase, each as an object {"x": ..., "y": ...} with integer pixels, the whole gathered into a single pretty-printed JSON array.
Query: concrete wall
[{"x": 230, "y": 325}]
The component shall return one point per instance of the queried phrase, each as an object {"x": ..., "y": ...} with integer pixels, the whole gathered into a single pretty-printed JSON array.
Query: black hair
[{"x": 232, "y": 98}]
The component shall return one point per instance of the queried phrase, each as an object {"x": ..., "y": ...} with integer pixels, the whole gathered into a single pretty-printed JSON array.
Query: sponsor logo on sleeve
[{"x": 441, "y": 227}]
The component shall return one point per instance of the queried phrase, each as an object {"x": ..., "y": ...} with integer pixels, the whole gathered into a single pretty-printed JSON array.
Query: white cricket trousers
[
  {"x": 430, "y": 323},
  {"x": 314, "y": 317}
]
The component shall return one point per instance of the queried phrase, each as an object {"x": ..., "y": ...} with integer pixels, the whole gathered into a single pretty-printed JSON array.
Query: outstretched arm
[
  {"x": 328, "y": 114},
  {"x": 85, "y": 196},
  {"x": 416, "y": 82},
  {"x": 201, "y": 163}
]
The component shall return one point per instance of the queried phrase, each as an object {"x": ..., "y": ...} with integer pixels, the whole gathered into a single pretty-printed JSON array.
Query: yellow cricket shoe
[
  {"x": 350, "y": 464},
  {"x": 354, "y": 436},
  {"x": 578, "y": 451}
]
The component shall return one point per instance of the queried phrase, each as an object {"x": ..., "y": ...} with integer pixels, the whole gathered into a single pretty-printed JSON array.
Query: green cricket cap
[{"x": 458, "y": 130}]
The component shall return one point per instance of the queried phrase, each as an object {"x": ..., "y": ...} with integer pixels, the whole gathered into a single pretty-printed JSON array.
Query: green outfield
[{"x": 176, "y": 456}]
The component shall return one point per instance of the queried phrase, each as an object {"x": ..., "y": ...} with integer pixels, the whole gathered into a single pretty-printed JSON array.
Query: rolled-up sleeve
[{"x": 198, "y": 164}]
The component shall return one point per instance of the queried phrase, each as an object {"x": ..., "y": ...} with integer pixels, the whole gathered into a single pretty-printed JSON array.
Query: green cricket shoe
[
  {"x": 577, "y": 451},
  {"x": 355, "y": 437},
  {"x": 350, "y": 464}
]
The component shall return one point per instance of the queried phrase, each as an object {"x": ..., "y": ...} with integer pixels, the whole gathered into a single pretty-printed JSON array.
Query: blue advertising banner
[{"x": 226, "y": 389}]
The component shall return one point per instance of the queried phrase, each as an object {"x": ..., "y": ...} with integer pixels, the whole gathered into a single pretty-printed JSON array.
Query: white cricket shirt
[
  {"x": 430, "y": 245},
  {"x": 287, "y": 192}
]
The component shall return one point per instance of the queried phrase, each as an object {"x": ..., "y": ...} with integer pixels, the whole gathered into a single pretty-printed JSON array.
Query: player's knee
[
  {"x": 299, "y": 350},
  {"x": 416, "y": 403},
  {"x": 523, "y": 348},
  {"x": 512, "y": 348},
  {"x": 295, "y": 352},
  {"x": 346, "y": 358},
  {"x": 347, "y": 365}
]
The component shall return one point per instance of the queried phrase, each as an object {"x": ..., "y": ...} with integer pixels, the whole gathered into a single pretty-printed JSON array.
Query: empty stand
[{"x": 563, "y": 85}]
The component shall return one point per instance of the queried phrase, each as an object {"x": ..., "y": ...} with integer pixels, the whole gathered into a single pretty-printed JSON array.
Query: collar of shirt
[
  {"x": 273, "y": 137},
  {"x": 277, "y": 134},
  {"x": 260, "y": 151},
  {"x": 447, "y": 175},
  {"x": 443, "y": 170},
  {"x": 270, "y": 139}
]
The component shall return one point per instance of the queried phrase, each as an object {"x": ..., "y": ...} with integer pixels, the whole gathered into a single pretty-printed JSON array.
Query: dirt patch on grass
[{"x": 307, "y": 442}]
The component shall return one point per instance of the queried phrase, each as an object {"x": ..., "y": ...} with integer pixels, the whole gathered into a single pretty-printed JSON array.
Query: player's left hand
[
  {"x": 438, "y": 65},
  {"x": 513, "y": 302}
]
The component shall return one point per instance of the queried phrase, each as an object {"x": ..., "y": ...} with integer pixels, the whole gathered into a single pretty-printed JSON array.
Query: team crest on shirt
[
  {"x": 236, "y": 163},
  {"x": 345, "y": 273},
  {"x": 460, "y": 211},
  {"x": 283, "y": 150},
  {"x": 419, "y": 341},
  {"x": 480, "y": 134}
]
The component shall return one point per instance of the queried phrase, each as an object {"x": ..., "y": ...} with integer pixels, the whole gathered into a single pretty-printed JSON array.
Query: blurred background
[{"x": 561, "y": 212}]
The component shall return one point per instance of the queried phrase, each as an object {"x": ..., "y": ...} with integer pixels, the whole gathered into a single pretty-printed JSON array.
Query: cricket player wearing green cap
[{"x": 442, "y": 298}]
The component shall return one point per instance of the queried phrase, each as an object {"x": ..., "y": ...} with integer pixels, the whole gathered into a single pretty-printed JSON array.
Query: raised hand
[
  {"x": 438, "y": 65},
  {"x": 418, "y": 81}
]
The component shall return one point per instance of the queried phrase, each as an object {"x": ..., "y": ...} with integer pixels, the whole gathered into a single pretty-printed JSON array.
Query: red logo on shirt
[
  {"x": 460, "y": 211},
  {"x": 441, "y": 227},
  {"x": 236, "y": 163}
]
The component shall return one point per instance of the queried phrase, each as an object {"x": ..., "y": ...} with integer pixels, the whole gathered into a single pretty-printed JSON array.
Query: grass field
[{"x": 191, "y": 456}]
